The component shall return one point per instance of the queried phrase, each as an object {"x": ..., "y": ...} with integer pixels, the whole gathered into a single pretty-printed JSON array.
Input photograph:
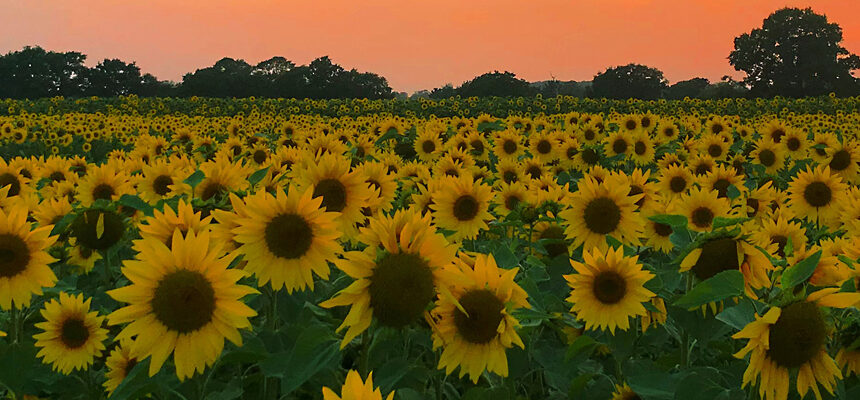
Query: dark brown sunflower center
[
  {"x": 619, "y": 146},
  {"x": 715, "y": 150},
  {"x": 678, "y": 184},
  {"x": 428, "y": 146},
  {"x": 288, "y": 236},
  {"x": 797, "y": 336},
  {"x": 12, "y": 181},
  {"x": 722, "y": 187},
  {"x": 511, "y": 201},
  {"x": 817, "y": 194},
  {"x": 753, "y": 204},
  {"x": 103, "y": 191},
  {"x": 57, "y": 176},
  {"x": 841, "y": 160},
  {"x": 702, "y": 217},
  {"x": 509, "y": 147},
  {"x": 544, "y": 147},
  {"x": 14, "y": 255},
  {"x": 557, "y": 246},
  {"x": 822, "y": 151},
  {"x": 590, "y": 156},
  {"x": 793, "y": 144},
  {"x": 703, "y": 168},
  {"x": 260, "y": 156},
  {"x": 477, "y": 147},
  {"x": 777, "y": 135},
  {"x": 85, "y": 228},
  {"x": 609, "y": 287},
  {"x": 717, "y": 256},
  {"x": 485, "y": 314},
  {"x": 509, "y": 176},
  {"x": 74, "y": 333},
  {"x": 400, "y": 289},
  {"x": 466, "y": 207},
  {"x": 767, "y": 157},
  {"x": 212, "y": 189},
  {"x": 640, "y": 148},
  {"x": 184, "y": 301},
  {"x": 129, "y": 365},
  {"x": 663, "y": 229},
  {"x": 534, "y": 171},
  {"x": 630, "y": 124},
  {"x": 571, "y": 152},
  {"x": 333, "y": 193},
  {"x": 716, "y": 128},
  {"x": 602, "y": 215},
  {"x": 161, "y": 184},
  {"x": 780, "y": 242},
  {"x": 589, "y": 134}
]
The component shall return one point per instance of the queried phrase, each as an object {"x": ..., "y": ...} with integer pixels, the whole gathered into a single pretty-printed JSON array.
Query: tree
[
  {"x": 113, "y": 77},
  {"x": 503, "y": 84},
  {"x": 629, "y": 81},
  {"x": 443, "y": 92},
  {"x": 33, "y": 73},
  {"x": 795, "y": 53},
  {"x": 690, "y": 88},
  {"x": 227, "y": 78}
]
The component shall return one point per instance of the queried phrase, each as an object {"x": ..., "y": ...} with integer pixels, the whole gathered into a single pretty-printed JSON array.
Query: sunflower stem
[
  {"x": 13, "y": 325},
  {"x": 363, "y": 357}
]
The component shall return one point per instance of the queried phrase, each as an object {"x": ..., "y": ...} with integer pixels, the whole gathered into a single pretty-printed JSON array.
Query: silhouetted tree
[
  {"x": 503, "y": 84},
  {"x": 34, "y": 72},
  {"x": 113, "y": 77},
  {"x": 443, "y": 92},
  {"x": 629, "y": 81},
  {"x": 227, "y": 78},
  {"x": 795, "y": 53},
  {"x": 690, "y": 88}
]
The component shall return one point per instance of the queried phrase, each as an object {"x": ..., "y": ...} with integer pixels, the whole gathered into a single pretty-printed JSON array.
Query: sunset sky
[{"x": 415, "y": 44}]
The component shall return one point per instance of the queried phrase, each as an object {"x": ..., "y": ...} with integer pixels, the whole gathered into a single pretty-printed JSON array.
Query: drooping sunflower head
[{"x": 98, "y": 229}]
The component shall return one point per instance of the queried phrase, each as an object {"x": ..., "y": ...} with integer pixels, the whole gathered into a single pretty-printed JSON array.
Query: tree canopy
[
  {"x": 795, "y": 53},
  {"x": 629, "y": 81}
]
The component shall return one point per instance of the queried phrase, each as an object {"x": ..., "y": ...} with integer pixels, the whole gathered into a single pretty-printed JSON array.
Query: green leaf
[
  {"x": 671, "y": 220},
  {"x": 130, "y": 200},
  {"x": 505, "y": 258},
  {"x": 738, "y": 316},
  {"x": 195, "y": 178},
  {"x": 732, "y": 192},
  {"x": 257, "y": 176},
  {"x": 314, "y": 349},
  {"x": 801, "y": 271},
  {"x": 62, "y": 224},
  {"x": 136, "y": 384},
  {"x": 721, "y": 286}
]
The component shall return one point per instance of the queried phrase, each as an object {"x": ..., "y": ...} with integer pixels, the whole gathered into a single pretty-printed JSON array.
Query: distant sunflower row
[{"x": 185, "y": 222}]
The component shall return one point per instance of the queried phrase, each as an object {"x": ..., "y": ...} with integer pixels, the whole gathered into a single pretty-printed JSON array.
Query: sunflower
[
  {"x": 720, "y": 179},
  {"x": 815, "y": 193},
  {"x": 534, "y": 169},
  {"x": 796, "y": 144},
  {"x": 700, "y": 206},
  {"x": 715, "y": 146},
  {"x": 587, "y": 158},
  {"x": 221, "y": 177},
  {"x": 542, "y": 146},
  {"x": 776, "y": 233},
  {"x": 340, "y": 189},
  {"x": 700, "y": 164},
  {"x": 287, "y": 238},
  {"x": 71, "y": 335},
  {"x": 509, "y": 171},
  {"x": 822, "y": 144},
  {"x": 50, "y": 211},
  {"x": 162, "y": 180},
  {"x": 720, "y": 253},
  {"x": 382, "y": 184},
  {"x": 657, "y": 235},
  {"x": 600, "y": 209},
  {"x": 629, "y": 122},
  {"x": 590, "y": 134},
  {"x": 98, "y": 229},
  {"x": 24, "y": 269},
  {"x": 774, "y": 130},
  {"x": 666, "y": 131},
  {"x": 551, "y": 237},
  {"x": 119, "y": 363},
  {"x": 675, "y": 181},
  {"x": 18, "y": 185},
  {"x": 104, "y": 182},
  {"x": 396, "y": 276},
  {"x": 618, "y": 143},
  {"x": 510, "y": 196},
  {"x": 161, "y": 225},
  {"x": 639, "y": 184},
  {"x": 768, "y": 154},
  {"x": 181, "y": 297},
  {"x": 355, "y": 389},
  {"x": 462, "y": 205},
  {"x": 82, "y": 258},
  {"x": 643, "y": 149},
  {"x": 473, "y": 323},
  {"x": 428, "y": 145},
  {"x": 793, "y": 338},
  {"x": 624, "y": 392},
  {"x": 655, "y": 318},
  {"x": 608, "y": 289},
  {"x": 508, "y": 144},
  {"x": 843, "y": 159}
]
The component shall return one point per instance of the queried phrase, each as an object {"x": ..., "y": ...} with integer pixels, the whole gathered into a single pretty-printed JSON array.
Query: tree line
[{"x": 795, "y": 53}]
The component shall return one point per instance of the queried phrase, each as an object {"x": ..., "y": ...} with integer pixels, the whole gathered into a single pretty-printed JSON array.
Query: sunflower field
[{"x": 469, "y": 248}]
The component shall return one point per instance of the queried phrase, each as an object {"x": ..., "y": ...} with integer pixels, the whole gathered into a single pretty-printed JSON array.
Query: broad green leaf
[
  {"x": 732, "y": 192},
  {"x": 738, "y": 316},
  {"x": 800, "y": 272},
  {"x": 721, "y": 222},
  {"x": 195, "y": 178},
  {"x": 257, "y": 176},
  {"x": 136, "y": 203},
  {"x": 671, "y": 220},
  {"x": 721, "y": 286}
]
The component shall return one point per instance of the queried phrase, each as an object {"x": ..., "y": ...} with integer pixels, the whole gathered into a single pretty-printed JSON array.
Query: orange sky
[{"x": 415, "y": 44}]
